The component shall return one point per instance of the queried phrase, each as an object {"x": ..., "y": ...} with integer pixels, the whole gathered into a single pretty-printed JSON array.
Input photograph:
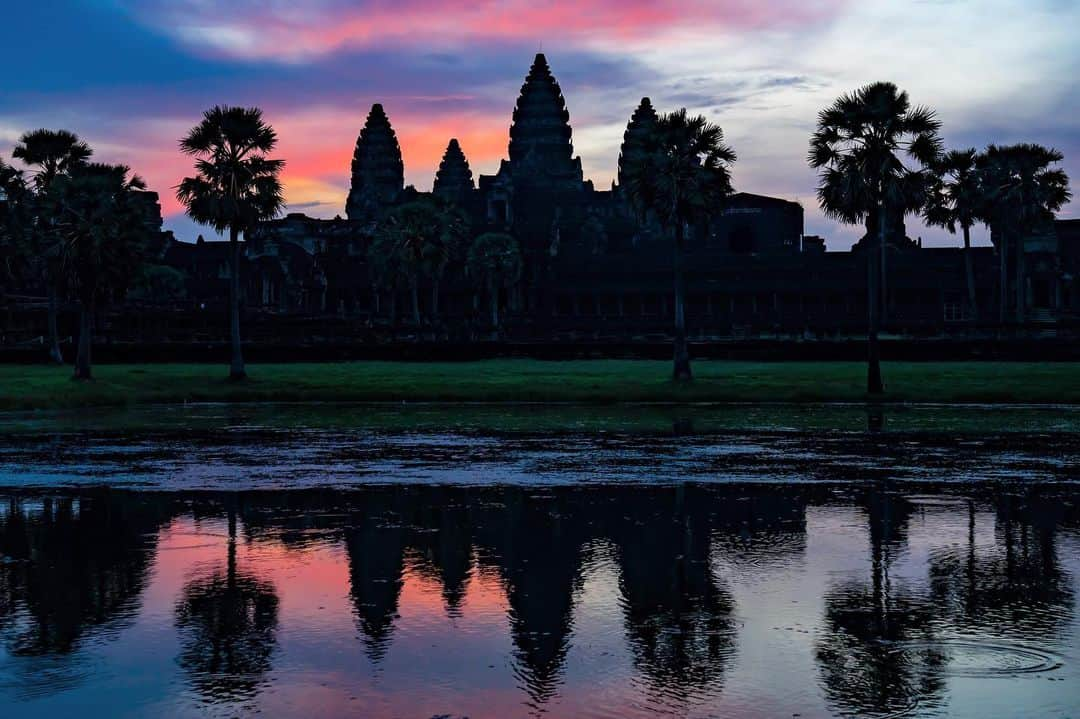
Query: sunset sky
[{"x": 131, "y": 76}]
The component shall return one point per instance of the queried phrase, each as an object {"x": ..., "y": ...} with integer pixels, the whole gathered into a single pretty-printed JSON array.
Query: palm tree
[
  {"x": 15, "y": 222},
  {"x": 387, "y": 273},
  {"x": 54, "y": 153},
  {"x": 494, "y": 260},
  {"x": 1022, "y": 191},
  {"x": 424, "y": 234},
  {"x": 679, "y": 173},
  {"x": 858, "y": 147},
  {"x": 453, "y": 232},
  {"x": 236, "y": 187},
  {"x": 104, "y": 239},
  {"x": 956, "y": 199}
]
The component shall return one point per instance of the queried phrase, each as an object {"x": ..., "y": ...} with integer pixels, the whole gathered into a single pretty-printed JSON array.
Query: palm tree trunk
[
  {"x": 682, "y": 371},
  {"x": 86, "y": 323},
  {"x": 969, "y": 272},
  {"x": 494, "y": 310},
  {"x": 434, "y": 309},
  {"x": 883, "y": 284},
  {"x": 874, "y": 385},
  {"x": 236, "y": 368},
  {"x": 55, "y": 355},
  {"x": 230, "y": 571},
  {"x": 414, "y": 289},
  {"x": 1021, "y": 284},
  {"x": 1003, "y": 276}
]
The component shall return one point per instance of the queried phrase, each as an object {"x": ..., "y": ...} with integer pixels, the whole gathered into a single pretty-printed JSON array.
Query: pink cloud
[{"x": 249, "y": 30}]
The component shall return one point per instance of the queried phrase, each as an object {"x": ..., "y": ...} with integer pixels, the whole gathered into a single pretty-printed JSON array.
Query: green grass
[{"x": 587, "y": 381}]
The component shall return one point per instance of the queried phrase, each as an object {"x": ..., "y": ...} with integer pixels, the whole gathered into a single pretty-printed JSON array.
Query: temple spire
[
  {"x": 378, "y": 173},
  {"x": 540, "y": 146},
  {"x": 454, "y": 180},
  {"x": 641, "y": 124}
]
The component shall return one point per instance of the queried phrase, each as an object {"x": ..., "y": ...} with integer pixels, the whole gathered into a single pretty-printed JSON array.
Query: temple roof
[
  {"x": 640, "y": 124},
  {"x": 540, "y": 147},
  {"x": 378, "y": 173},
  {"x": 454, "y": 180}
]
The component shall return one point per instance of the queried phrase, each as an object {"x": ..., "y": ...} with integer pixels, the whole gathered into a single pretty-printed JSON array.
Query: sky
[{"x": 131, "y": 76}]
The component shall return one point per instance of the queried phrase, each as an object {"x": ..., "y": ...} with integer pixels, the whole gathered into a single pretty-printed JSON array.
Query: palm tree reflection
[
  {"x": 227, "y": 620},
  {"x": 875, "y": 655},
  {"x": 677, "y": 613},
  {"x": 1012, "y": 586}
]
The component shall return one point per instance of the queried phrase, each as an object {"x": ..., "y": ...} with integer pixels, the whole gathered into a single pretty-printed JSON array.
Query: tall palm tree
[
  {"x": 236, "y": 187},
  {"x": 104, "y": 239},
  {"x": 956, "y": 199},
  {"x": 859, "y": 146},
  {"x": 1022, "y": 191},
  {"x": 54, "y": 153},
  {"x": 494, "y": 260},
  {"x": 679, "y": 173}
]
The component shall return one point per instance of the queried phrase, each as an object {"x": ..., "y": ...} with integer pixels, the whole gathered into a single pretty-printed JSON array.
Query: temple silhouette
[{"x": 593, "y": 270}]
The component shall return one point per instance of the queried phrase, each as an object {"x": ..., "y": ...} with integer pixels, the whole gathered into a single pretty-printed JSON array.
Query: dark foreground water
[{"x": 758, "y": 562}]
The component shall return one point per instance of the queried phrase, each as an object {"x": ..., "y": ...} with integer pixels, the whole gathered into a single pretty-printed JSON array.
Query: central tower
[{"x": 541, "y": 154}]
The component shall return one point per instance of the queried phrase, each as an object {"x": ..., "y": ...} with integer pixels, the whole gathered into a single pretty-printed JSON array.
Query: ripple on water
[{"x": 985, "y": 660}]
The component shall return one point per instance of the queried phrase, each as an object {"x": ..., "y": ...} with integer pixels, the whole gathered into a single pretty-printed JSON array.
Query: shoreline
[{"x": 525, "y": 383}]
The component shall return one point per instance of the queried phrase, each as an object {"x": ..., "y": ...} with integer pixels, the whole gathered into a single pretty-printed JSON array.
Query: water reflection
[
  {"x": 72, "y": 568},
  {"x": 868, "y": 618},
  {"x": 572, "y": 601},
  {"x": 227, "y": 618}
]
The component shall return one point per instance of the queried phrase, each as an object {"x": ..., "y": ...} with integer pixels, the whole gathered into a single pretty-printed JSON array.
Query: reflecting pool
[{"x": 196, "y": 565}]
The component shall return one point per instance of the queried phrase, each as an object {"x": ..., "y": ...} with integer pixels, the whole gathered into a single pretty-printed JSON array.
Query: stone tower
[
  {"x": 641, "y": 123},
  {"x": 454, "y": 180},
  {"x": 378, "y": 174},
  {"x": 541, "y": 153}
]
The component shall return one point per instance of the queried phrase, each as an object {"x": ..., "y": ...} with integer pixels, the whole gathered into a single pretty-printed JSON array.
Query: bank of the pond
[{"x": 586, "y": 381}]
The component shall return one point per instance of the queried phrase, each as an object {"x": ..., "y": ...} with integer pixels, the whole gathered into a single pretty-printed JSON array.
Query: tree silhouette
[
  {"x": 236, "y": 187},
  {"x": 680, "y": 173},
  {"x": 16, "y": 223},
  {"x": 859, "y": 147},
  {"x": 1021, "y": 191},
  {"x": 956, "y": 200},
  {"x": 424, "y": 235},
  {"x": 104, "y": 239},
  {"x": 54, "y": 153},
  {"x": 494, "y": 261}
]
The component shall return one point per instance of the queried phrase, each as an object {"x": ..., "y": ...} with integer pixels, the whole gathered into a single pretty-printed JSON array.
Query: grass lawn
[{"x": 586, "y": 381}]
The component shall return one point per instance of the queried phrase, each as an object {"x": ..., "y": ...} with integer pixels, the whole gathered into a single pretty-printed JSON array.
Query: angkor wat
[{"x": 592, "y": 270}]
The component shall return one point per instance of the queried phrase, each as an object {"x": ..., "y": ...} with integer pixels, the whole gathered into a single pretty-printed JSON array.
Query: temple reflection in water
[{"x": 502, "y": 601}]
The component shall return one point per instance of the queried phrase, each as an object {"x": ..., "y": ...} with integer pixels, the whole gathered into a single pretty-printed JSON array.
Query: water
[{"x": 752, "y": 562}]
